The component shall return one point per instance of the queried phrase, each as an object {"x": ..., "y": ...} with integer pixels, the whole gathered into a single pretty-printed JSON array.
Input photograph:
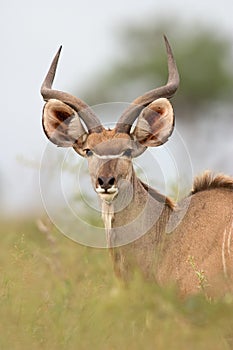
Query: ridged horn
[
  {"x": 84, "y": 111},
  {"x": 132, "y": 112}
]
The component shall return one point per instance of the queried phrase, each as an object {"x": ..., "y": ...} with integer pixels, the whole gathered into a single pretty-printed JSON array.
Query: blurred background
[
  {"x": 112, "y": 52},
  {"x": 55, "y": 294}
]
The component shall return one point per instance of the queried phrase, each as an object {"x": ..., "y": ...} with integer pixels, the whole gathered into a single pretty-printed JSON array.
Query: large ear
[
  {"x": 155, "y": 123},
  {"x": 62, "y": 125}
]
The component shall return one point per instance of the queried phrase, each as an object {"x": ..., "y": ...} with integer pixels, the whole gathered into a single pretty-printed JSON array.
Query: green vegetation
[
  {"x": 56, "y": 294},
  {"x": 202, "y": 279}
]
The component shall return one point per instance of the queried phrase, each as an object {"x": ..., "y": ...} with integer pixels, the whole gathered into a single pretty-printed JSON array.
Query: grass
[{"x": 56, "y": 294}]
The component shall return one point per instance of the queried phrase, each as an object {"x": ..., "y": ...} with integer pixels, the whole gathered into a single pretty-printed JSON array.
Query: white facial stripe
[{"x": 109, "y": 156}]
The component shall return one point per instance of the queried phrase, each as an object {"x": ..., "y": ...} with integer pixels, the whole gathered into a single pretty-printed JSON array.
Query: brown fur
[
  {"x": 200, "y": 243},
  {"x": 158, "y": 196},
  {"x": 191, "y": 244},
  {"x": 208, "y": 181}
]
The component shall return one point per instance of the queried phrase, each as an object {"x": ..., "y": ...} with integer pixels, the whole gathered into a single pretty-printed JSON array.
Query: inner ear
[
  {"x": 62, "y": 125},
  {"x": 155, "y": 123}
]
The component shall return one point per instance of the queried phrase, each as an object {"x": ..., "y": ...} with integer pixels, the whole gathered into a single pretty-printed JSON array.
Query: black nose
[{"x": 106, "y": 182}]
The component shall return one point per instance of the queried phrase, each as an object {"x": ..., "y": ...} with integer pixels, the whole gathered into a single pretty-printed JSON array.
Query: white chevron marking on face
[{"x": 109, "y": 156}]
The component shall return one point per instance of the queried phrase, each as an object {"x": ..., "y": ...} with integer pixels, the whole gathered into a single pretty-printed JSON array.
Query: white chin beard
[{"x": 108, "y": 197}]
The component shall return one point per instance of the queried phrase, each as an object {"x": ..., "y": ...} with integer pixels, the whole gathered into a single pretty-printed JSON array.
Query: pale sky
[{"x": 31, "y": 32}]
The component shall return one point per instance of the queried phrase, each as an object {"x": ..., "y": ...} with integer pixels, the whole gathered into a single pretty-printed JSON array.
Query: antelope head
[{"x": 70, "y": 122}]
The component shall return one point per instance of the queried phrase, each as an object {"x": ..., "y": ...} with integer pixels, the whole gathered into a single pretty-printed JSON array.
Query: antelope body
[{"x": 190, "y": 243}]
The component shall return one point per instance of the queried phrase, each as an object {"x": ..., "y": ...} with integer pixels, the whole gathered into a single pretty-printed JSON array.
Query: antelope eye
[
  {"x": 127, "y": 153},
  {"x": 89, "y": 153}
]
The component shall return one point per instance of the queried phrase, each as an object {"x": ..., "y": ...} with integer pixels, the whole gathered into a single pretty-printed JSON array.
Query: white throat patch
[{"x": 107, "y": 216}]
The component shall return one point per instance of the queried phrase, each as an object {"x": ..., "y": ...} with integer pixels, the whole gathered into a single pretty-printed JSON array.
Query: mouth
[{"x": 107, "y": 194}]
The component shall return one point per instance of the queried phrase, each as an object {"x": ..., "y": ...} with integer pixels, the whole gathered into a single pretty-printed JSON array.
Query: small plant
[{"x": 202, "y": 279}]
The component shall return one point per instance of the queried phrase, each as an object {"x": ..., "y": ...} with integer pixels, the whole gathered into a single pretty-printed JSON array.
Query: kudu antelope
[{"x": 174, "y": 241}]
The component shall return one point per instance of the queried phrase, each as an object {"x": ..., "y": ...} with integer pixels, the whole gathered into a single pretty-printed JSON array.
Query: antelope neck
[{"x": 132, "y": 213}]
